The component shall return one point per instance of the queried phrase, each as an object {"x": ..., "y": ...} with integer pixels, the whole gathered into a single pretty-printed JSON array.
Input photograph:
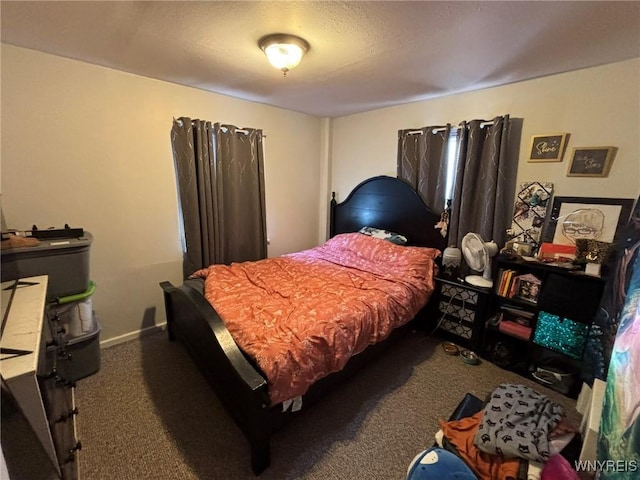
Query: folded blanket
[{"x": 517, "y": 422}]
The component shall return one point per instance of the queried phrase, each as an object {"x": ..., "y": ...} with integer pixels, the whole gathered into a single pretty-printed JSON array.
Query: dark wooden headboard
[{"x": 390, "y": 204}]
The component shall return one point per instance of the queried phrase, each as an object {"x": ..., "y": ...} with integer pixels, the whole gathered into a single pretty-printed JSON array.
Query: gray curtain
[
  {"x": 484, "y": 182},
  {"x": 220, "y": 179},
  {"x": 422, "y": 155}
]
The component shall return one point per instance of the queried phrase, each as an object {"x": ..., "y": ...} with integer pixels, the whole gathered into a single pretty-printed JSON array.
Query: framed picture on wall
[
  {"x": 548, "y": 148},
  {"x": 591, "y": 161},
  {"x": 575, "y": 218}
]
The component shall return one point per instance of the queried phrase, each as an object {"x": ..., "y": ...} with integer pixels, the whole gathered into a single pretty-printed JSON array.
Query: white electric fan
[{"x": 477, "y": 253}]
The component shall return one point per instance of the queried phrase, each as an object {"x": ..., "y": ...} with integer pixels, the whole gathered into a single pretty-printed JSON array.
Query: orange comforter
[{"x": 303, "y": 315}]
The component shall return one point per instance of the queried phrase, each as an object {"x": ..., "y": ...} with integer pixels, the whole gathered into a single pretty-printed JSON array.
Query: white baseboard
[{"x": 127, "y": 337}]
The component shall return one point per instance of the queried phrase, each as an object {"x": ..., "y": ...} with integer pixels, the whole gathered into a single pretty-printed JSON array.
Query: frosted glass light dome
[{"x": 283, "y": 51}]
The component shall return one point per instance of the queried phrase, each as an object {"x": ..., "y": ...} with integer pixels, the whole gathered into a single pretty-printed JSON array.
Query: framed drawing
[
  {"x": 548, "y": 148},
  {"x": 574, "y": 218},
  {"x": 591, "y": 161}
]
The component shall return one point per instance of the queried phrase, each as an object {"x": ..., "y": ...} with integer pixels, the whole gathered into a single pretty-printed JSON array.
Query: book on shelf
[
  {"x": 513, "y": 288},
  {"x": 496, "y": 285},
  {"x": 507, "y": 284},
  {"x": 499, "y": 280},
  {"x": 505, "y": 277}
]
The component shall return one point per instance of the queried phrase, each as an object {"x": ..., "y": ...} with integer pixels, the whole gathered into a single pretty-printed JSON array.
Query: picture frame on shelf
[
  {"x": 548, "y": 147},
  {"x": 527, "y": 288},
  {"x": 575, "y": 218},
  {"x": 591, "y": 161}
]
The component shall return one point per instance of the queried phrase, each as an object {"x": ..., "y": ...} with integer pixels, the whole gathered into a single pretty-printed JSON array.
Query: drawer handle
[
  {"x": 64, "y": 355},
  {"x": 72, "y": 453},
  {"x": 65, "y": 382},
  {"x": 52, "y": 374},
  {"x": 67, "y": 415}
]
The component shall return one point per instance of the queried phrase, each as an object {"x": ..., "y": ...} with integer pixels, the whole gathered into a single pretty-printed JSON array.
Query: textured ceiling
[{"x": 364, "y": 55}]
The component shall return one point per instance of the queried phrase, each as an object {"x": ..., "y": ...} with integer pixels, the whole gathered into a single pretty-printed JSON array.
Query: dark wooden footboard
[{"x": 240, "y": 387}]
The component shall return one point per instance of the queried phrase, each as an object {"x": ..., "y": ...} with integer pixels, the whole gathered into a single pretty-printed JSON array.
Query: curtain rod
[
  {"x": 433, "y": 130},
  {"x": 241, "y": 130},
  {"x": 483, "y": 123}
]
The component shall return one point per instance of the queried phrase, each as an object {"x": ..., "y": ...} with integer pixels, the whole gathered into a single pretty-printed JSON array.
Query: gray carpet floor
[{"x": 149, "y": 414}]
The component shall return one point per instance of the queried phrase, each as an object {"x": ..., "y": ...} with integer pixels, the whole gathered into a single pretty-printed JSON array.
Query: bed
[{"x": 243, "y": 378}]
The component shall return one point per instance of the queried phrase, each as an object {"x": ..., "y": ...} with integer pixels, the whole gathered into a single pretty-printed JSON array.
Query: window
[{"x": 453, "y": 148}]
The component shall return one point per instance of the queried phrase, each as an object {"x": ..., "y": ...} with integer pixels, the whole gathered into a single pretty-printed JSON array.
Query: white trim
[
  {"x": 326, "y": 125},
  {"x": 127, "y": 337}
]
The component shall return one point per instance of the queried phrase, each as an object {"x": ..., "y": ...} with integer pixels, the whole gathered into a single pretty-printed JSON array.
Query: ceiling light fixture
[{"x": 283, "y": 51}]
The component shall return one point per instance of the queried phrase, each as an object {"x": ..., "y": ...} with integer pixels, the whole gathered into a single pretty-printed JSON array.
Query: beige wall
[
  {"x": 90, "y": 146},
  {"x": 597, "y": 106}
]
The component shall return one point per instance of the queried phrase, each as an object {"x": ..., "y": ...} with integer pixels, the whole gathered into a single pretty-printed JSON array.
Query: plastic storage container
[
  {"x": 80, "y": 357},
  {"x": 74, "y": 323},
  {"x": 64, "y": 260}
]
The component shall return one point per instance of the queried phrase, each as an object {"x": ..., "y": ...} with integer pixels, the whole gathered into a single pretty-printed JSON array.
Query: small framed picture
[
  {"x": 591, "y": 161},
  {"x": 528, "y": 288},
  {"x": 548, "y": 148}
]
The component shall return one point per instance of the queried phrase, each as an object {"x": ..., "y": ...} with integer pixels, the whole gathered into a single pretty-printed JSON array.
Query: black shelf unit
[{"x": 563, "y": 294}]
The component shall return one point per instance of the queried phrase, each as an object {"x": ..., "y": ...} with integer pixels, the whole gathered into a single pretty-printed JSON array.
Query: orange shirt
[{"x": 486, "y": 466}]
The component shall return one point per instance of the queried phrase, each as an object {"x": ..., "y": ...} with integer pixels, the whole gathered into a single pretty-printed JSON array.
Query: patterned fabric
[
  {"x": 484, "y": 179},
  {"x": 516, "y": 423},
  {"x": 462, "y": 318},
  {"x": 384, "y": 234},
  {"x": 422, "y": 162},
  {"x": 206, "y": 157},
  {"x": 303, "y": 315}
]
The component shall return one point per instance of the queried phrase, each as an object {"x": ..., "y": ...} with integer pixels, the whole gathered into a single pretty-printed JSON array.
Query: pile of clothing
[{"x": 517, "y": 436}]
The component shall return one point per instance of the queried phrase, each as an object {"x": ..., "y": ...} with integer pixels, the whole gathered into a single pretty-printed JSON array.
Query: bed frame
[{"x": 382, "y": 202}]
